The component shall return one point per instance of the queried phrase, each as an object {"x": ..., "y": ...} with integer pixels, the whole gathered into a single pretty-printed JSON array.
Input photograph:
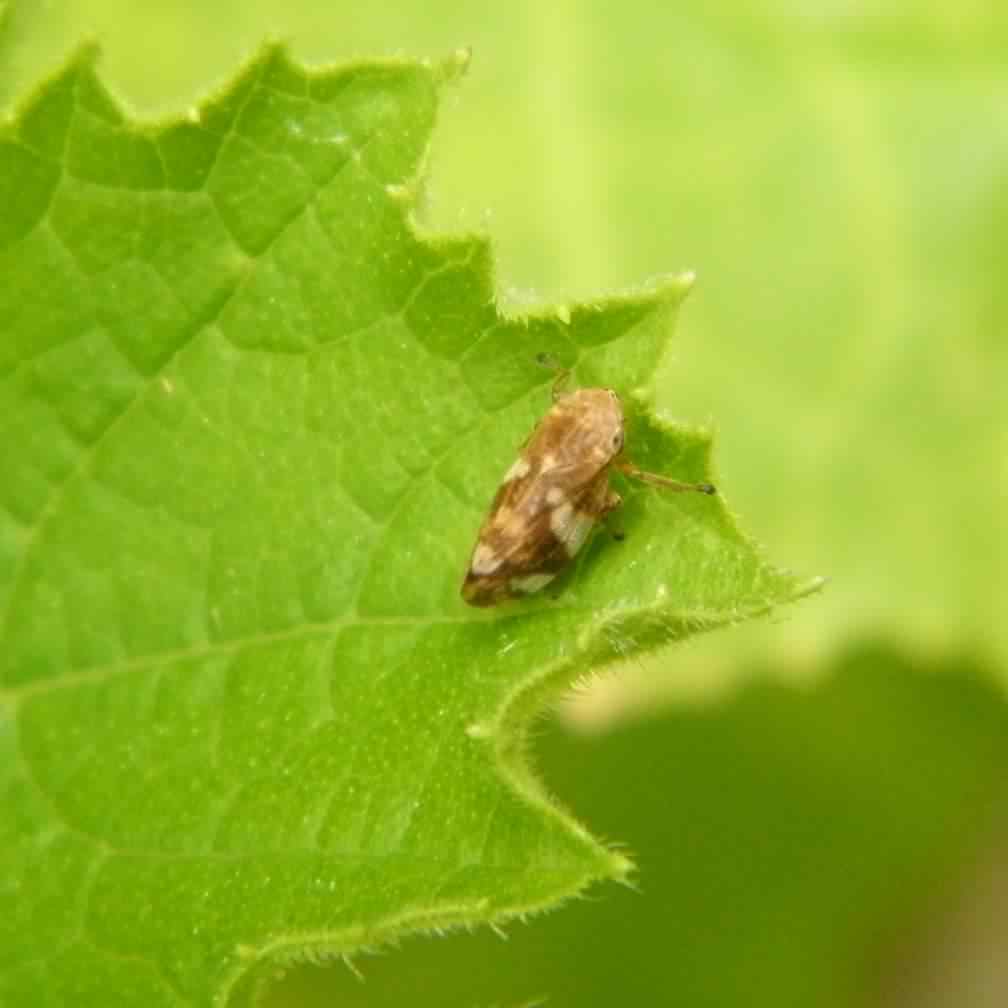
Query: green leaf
[
  {"x": 251, "y": 419},
  {"x": 798, "y": 849}
]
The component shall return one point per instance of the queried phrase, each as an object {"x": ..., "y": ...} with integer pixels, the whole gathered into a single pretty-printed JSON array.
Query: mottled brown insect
[{"x": 552, "y": 496}]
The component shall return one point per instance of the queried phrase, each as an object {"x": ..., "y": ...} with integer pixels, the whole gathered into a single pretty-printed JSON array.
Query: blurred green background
[{"x": 819, "y": 819}]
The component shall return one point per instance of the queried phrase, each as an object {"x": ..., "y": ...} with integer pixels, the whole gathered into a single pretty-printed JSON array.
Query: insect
[{"x": 554, "y": 494}]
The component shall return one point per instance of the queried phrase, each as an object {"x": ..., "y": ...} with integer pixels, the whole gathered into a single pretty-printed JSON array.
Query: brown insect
[{"x": 553, "y": 495}]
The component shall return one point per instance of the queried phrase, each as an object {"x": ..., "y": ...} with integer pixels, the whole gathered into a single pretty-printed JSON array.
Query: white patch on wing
[
  {"x": 560, "y": 519},
  {"x": 519, "y": 468},
  {"x": 484, "y": 560},
  {"x": 555, "y": 496},
  {"x": 531, "y": 582},
  {"x": 570, "y": 527}
]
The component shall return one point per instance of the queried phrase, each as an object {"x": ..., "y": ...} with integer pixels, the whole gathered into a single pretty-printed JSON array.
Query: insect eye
[{"x": 617, "y": 441}]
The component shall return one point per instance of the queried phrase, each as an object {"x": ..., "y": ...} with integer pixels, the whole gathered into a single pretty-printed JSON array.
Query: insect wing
[
  {"x": 536, "y": 525},
  {"x": 544, "y": 508}
]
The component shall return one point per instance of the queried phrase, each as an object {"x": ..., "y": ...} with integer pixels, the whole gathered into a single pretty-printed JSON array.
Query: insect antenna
[{"x": 562, "y": 379}]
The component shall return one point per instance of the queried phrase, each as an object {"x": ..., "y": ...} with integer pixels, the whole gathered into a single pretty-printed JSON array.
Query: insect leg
[
  {"x": 612, "y": 503},
  {"x": 629, "y": 469}
]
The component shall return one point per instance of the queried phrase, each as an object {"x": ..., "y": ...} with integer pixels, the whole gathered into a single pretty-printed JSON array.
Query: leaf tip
[
  {"x": 670, "y": 287},
  {"x": 454, "y": 66},
  {"x": 622, "y": 869},
  {"x": 85, "y": 56},
  {"x": 812, "y": 585}
]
